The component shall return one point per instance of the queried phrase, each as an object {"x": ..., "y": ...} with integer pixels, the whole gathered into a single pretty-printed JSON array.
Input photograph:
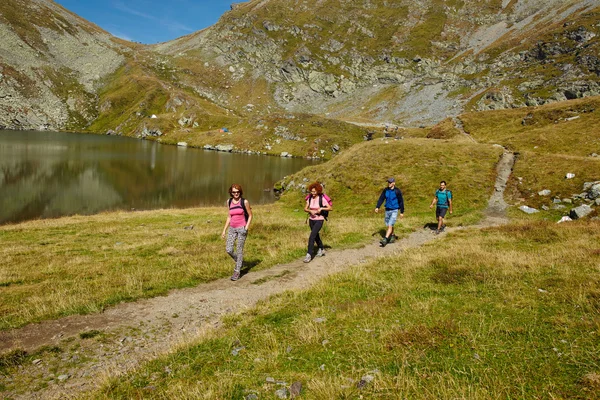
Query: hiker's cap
[{"x": 390, "y": 180}]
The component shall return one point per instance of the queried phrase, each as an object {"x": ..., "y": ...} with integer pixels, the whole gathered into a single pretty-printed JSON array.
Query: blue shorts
[{"x": 390, "y": 217}]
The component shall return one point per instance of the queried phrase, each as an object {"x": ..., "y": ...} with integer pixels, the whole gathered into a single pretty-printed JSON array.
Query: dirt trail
[
  {"x": 134, "y": 332},
  {"x": 496, "y": 210}
]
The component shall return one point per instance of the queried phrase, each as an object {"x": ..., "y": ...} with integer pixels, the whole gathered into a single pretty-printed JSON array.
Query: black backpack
[
  {"x": 243, "y": 204},
  {"x": 323, "y": 213}
]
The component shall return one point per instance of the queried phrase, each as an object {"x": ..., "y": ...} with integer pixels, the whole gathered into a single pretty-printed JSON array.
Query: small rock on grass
[
  {"x": 281, "y": 393},
  {"x": 295, "y": 389},
  {"x": 528, "y": 210}
]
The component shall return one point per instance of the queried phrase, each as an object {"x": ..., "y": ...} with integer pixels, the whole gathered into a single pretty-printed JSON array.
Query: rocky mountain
[
  {"x": 51, "y": 64},
  {"x": 411, "y": 62},
  {"x": 407, "y": 62}
]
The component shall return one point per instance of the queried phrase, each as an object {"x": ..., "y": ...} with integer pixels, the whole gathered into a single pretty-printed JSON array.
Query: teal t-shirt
[{"x": 443, "y": 198}]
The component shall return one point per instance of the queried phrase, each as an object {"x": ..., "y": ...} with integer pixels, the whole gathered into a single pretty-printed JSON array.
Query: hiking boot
[
  {"x": 307, "y": 258},
  {"x": 235, "y": 276},
  {"x": 320, "y": 253},
  {"x": 443, "y": 227},
  {"x": 383, "y": 242},
  {"x": 437, "y": 231},
  {"x": 392, "y": 239}
]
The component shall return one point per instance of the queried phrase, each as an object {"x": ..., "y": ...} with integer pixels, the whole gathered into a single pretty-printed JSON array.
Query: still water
[{"x": 50, "y": 174}]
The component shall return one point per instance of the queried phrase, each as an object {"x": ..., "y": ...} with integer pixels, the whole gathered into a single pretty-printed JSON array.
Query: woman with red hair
[
  {"x": 314, "y": 205},
  {"x": 238, "y": 222}
]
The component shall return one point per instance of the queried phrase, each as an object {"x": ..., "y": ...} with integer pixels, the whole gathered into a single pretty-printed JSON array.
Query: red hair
[{"x": 317, "y": 186}]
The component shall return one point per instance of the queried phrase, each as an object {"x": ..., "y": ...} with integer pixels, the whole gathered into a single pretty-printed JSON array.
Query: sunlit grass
[
  {"x": 78, "y": 265},
  {"x": 52, "y": 268},
  {"x": 464, "y": 318}
]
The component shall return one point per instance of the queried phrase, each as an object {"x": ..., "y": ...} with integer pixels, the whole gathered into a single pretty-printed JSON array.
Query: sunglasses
[{"x": 235, "y": 191}]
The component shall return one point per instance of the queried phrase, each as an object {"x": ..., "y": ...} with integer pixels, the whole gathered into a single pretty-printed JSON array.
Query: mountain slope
[
  {"x": 411, "y": 62},
  {"x": 51, "y": 62}
]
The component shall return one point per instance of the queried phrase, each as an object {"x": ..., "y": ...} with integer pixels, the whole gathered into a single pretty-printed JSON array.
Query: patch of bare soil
[{"x": 125, "y": 335}]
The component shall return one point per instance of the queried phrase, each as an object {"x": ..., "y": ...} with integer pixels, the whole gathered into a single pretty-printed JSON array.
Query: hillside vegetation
[{"x": 409, "y": 63}]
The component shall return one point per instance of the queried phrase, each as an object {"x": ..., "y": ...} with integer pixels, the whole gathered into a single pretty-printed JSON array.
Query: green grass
[
  {"x": 80, "y": 265},
  {"x": 535, "y": 172},
  {"x": 464, "y": 318},
  {"x": 544, "y": 129},
  {"x": 355, "y": 178}
]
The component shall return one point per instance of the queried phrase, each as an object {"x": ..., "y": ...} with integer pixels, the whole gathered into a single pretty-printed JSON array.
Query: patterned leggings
[{"x": 238, "y": 256}]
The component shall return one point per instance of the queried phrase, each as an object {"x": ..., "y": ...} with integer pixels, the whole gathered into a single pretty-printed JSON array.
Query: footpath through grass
[
  {"x": 79, "y": 265},
  {"x": 509, "y": 312}
]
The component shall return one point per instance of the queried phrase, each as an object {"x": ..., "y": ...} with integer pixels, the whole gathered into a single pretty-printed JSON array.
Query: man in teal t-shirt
[{"x": 443, "y": 199}]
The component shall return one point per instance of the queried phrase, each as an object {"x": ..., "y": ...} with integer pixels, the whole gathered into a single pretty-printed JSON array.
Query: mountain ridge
[{"x": 407, "y": 63}]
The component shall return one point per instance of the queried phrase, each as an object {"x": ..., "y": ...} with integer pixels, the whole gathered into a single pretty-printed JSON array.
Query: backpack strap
[
  {"x": 325, "y": 214},
  {"x": 243, "y": 206},
  {"x": 243, "y": 203},
  {"x": 445, "y": 193}
]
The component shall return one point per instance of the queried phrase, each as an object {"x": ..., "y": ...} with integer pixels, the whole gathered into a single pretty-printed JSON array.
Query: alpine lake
[{"x": 54, "y": 174}]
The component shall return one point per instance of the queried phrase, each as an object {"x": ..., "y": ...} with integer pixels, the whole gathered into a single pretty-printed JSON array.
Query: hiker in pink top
[
  {"x": 238, "y": 222},
  {"x": 314, "y": 205}
]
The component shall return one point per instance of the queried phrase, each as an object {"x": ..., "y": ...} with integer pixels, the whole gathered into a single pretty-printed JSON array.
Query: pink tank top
[
  {"x": 236, "y": 212},
  {"x": 314, "y": 205}
]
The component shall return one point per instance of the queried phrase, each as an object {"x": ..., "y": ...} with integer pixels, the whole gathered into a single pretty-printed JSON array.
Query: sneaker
[
  {"x": 443, "y": 227},
  {"x": 320, "y": 253},
  {"x": 383, "y": 242},
  {"x": 437, "y": 231},
  {"x": 392, "y": 239},
  {"x": 307, "y": 258},
  {"x": 235, "y": 276}
]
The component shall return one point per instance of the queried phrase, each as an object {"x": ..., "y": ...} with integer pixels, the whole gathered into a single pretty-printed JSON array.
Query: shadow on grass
[
  {"x": 248, "y": 265},
  {"x": 380, "y": 232},
  {"x": 431, "y": 225}
]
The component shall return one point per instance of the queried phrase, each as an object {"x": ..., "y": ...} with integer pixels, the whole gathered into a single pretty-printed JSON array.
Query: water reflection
[{"x": 50, "y": 174}]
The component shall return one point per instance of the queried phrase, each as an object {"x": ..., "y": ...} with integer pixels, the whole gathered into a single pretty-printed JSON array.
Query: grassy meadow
[
  {"x": 505, "y": 312},
  {"x": 78, "y": 265},
  {"x": 509, "y": 312}
]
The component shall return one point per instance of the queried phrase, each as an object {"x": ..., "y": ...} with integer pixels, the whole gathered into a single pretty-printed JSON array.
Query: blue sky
[{"x": 149, "y": 21}]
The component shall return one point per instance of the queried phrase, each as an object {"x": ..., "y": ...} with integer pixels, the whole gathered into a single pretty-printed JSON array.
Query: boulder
[
  {"x": 592, "y": 190},
  {"x": 224, "y": 147},
  {"x": 182, "y": 144},
  {"x": 580, "y": 212}
]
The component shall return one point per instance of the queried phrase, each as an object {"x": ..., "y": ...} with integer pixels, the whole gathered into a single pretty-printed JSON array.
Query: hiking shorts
[
  {"x": 390, "y": 217},
  {"x": 440, "y": 212}
]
